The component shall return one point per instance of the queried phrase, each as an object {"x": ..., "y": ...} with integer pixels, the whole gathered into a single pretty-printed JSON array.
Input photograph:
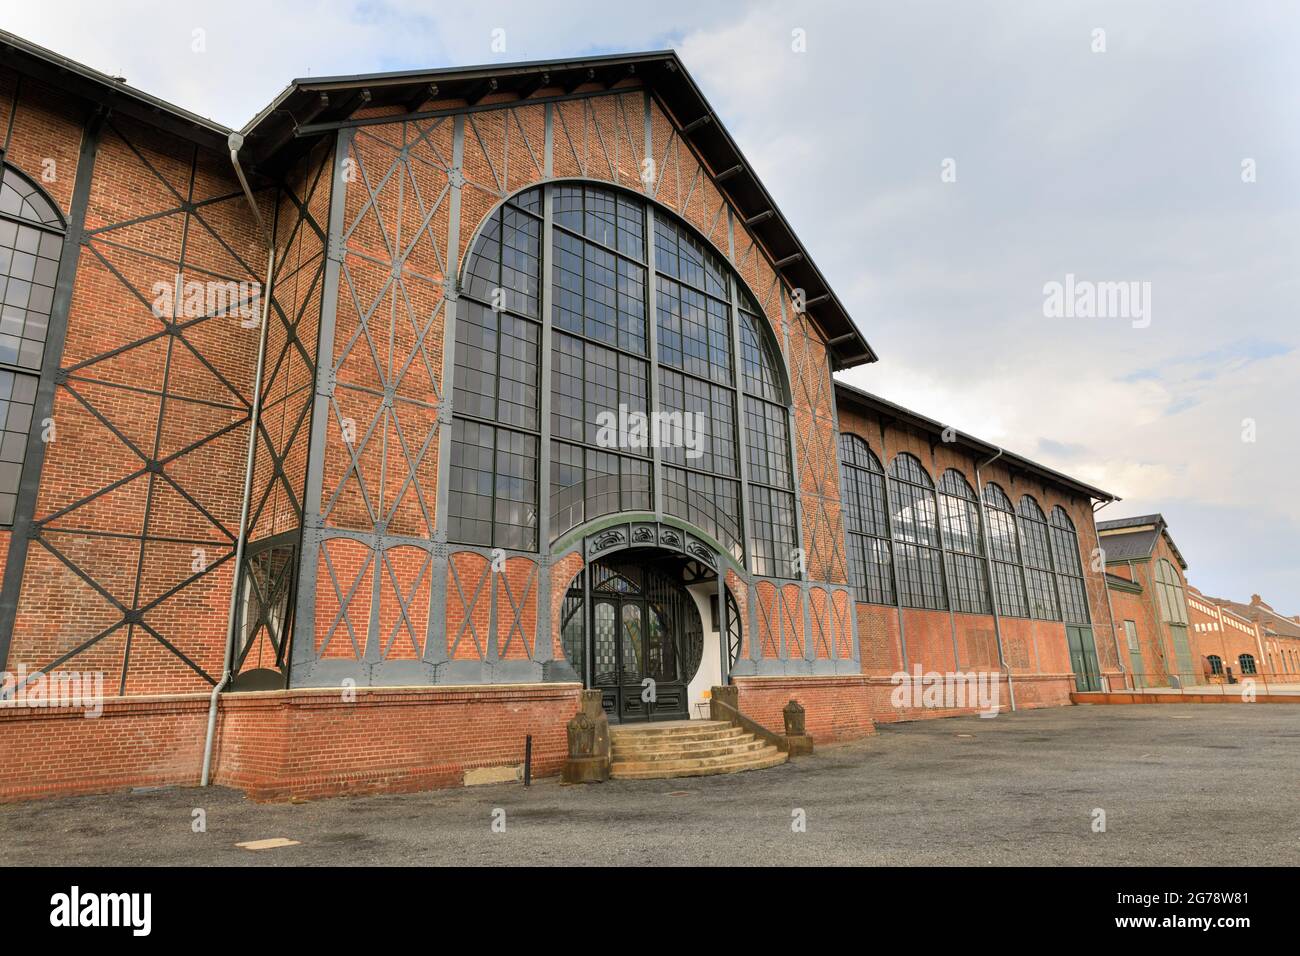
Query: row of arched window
[{"x": 920, "y": 545}]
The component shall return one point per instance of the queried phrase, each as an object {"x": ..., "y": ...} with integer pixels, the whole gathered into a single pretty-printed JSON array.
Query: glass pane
[
  {"x": 604, "y": 651},
  {"x": 633, "y": 644}
]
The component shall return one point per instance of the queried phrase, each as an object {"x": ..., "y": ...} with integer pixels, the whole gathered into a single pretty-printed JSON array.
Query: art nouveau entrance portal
[{"x": 633, "y": 631}]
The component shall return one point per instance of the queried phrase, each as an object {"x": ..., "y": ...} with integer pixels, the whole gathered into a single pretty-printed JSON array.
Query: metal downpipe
[
  {"x": 236, "y": 142},
  {"x": 1110, "y": 609}
]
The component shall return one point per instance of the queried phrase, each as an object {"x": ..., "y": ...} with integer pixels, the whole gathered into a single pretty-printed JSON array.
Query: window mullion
[
  {"x": 545, "y": 361},
  {"x": 742, "y": 441},
  {"x": 652, "y": 347}
]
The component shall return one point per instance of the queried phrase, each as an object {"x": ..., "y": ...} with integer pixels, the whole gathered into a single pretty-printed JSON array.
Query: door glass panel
[
  {"x": 660, "y": 648},
  {"x": 604, "y": 650},
  {"x": 633, "y": 644}
]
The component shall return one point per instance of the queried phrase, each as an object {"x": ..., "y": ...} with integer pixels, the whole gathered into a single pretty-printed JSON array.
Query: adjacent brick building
[
  {"x": 1148, "y": 594},
  {"x": 420, "y": 293},
  {"x": 1234, "y": 640}
]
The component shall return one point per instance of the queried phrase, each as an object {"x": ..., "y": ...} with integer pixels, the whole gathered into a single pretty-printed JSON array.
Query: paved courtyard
[{"x": 1179, "y": 784}]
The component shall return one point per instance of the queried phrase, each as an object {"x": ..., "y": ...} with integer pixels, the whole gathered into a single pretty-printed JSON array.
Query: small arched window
[
  {"x": 1004, "y": 547},
  {"x": 1247, "y": 662},
  {"x": 1037, "y": 550},
  {"x": 31, "y": 244},
  {"x": 918, "y": 559},
  {"x": 866, "y": 521},
  {"x": 1069, "y": 570},
  {"x": 1170, "y": 594},
  {"x": 963, "y": 544},
  {"x": 1216, "y": 664}
]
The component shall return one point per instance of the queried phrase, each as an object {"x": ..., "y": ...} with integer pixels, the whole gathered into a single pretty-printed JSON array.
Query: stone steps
[
  {"x": 706, "y": 749},
  {"x": 686, "y": 749}
]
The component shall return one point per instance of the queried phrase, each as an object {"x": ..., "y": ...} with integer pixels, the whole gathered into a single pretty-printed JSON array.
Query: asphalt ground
[{"x": 1179, "y": 784}]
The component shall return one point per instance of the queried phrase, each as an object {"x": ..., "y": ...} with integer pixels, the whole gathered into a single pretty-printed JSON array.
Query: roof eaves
[
  {"x": 82, "y": 80},
  {"x": 929, "y": 424}
]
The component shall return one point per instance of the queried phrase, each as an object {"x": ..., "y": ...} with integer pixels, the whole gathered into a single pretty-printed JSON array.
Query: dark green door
[
  {"x": 635, "y": 658},
  {"x": 1135, "y": 654},
  {"x": 1083, "y": 658},
  {"x": 1182, "y": 655}
]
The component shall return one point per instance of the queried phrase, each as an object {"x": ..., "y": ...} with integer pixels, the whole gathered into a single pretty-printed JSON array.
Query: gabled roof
[
  {"x": 857, "y": 396},
  {"x": 313, "y": 106},
  {"x": 310, "y": 107},
  {"x": 1135, "y": 546},
  {"x": 1267, "y": 618},
  {"x": 58, "y": 71},
  {"x": 1134, "y": 539}
]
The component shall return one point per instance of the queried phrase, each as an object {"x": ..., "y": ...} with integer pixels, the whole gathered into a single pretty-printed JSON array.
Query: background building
[
  {"x": 1235, "y": 640},
  {"x": 1148, "y": 592}
]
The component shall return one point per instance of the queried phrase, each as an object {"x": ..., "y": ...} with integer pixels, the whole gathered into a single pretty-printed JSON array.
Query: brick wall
[
  {"x": 129, "y": 571},
  {"x": 278, "y": 745}
]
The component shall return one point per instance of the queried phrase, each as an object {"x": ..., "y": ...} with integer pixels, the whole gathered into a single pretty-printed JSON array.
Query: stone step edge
[
  {"x": 690, "y": 762},
  {"x": 748, "y": 746},
  {"x": 660, "y": 774}
]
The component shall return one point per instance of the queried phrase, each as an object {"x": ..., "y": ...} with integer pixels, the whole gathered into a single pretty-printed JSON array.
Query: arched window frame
[
  {"x": 728, "y": 366},
  {"x": 918, "y": 544},
  {"x": 1171, "y": 597},
  {"x": 32, "y": 235},
  {"x": 1004, "y": 549},
  {"x": 1216, "y": 664},
  {"x": 866, "y": 522},
  {"x": 1071, "y": 585},
  {"x": 1247, "y": 663},
  {"x": 1036, "y": 550},
  {"x": 963, "y": 541}
]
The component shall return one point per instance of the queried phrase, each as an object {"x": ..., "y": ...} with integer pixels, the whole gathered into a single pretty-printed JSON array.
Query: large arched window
[
  {"x": 1247, "y": 663},
  {"x": 1170, "y": 594},
  {"x": 918, "y": 558},
  {"x": 963, "y": 544},
  {"x": 1069, "y": 570},
  {"x": 866, "y": 521},
  {"x": 1004, "y": 547},
  {"x": 1036, "y": 548},
  {"x": 648, "y": 327},
  {"x": 31, "y": 244}
]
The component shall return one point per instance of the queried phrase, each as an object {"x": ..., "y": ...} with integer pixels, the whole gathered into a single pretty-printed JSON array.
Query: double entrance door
[
  {"x": 635, "y": 660},
  {"x": 1083, "y": 658}
]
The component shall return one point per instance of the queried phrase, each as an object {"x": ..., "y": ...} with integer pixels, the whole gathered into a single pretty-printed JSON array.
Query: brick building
[
  {"x": 1233, "y": 640},
  {"x": 422, "y": 294},
  {"x": 1145, "y": 574}
]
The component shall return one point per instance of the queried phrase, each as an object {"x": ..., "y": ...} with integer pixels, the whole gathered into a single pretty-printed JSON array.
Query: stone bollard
[
  {"x": 795, "y": 732},
  {"x": 588, "y": 732}
]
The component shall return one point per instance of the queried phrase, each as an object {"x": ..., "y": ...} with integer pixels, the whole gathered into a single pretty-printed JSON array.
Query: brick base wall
[
  {"x": 311, "y": 743},
  {"x": 277, "y": 745},
  {"x": 847, "y": 708},
  {"x": 135, "y": 742},
  {"x": 836, "y": 708}
]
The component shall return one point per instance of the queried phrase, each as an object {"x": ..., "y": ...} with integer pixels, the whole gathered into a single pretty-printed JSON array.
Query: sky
[{"x": 944, "y": 163}]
